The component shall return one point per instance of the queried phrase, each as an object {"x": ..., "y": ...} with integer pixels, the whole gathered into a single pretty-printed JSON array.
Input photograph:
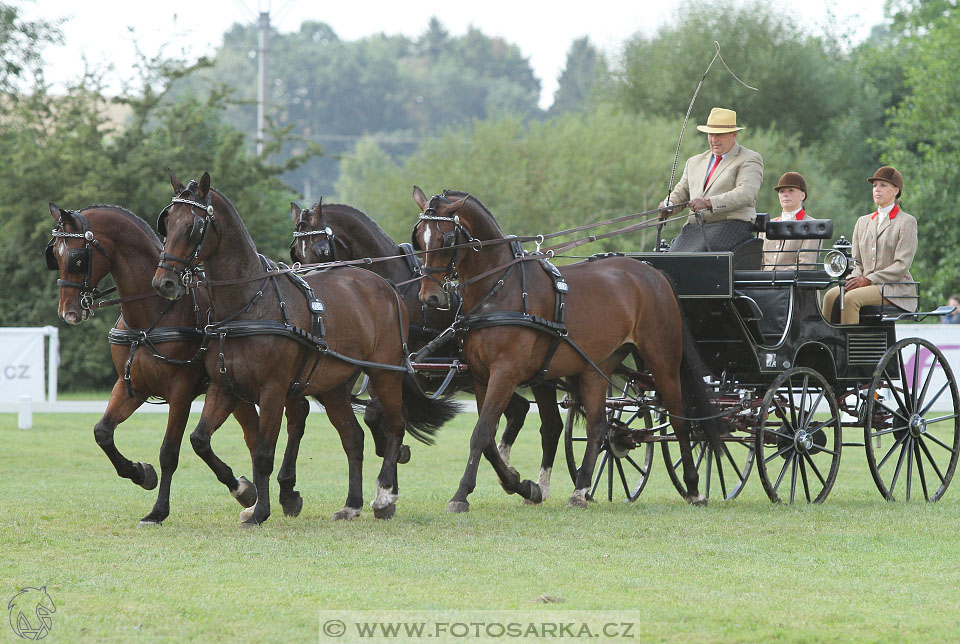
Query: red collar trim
[
  {"x": 893, "y": 212},
  {"x": 800, "y": 214}
]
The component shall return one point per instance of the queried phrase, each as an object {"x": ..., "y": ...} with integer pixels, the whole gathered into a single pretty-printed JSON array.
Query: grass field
[{"x": 856, "y": 569}]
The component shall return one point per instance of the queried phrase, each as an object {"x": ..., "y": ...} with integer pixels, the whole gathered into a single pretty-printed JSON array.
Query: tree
[
  {"x": 585, "y": 70},
  {"x": 923, "y": 142}
]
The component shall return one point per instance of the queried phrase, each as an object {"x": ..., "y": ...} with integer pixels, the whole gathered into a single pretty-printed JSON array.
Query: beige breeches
[{"x": 852, "y": 301}]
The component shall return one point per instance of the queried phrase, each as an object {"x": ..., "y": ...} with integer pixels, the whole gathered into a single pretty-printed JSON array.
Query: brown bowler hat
[
  {"x": 890, "y": 175},
  {"x": 792, "y": 180},
  {"x": 720, "y": 121}
]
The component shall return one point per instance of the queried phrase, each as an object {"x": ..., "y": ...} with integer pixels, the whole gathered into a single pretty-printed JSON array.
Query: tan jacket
[
  {"x": 732, "y": 189},
  {"x": 884, "y": 250},
  {"x": 783, "y": 254}
]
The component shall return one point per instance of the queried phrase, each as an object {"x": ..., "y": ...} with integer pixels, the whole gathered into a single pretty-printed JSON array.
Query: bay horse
[
  {"x": 154, "y": 345},
  {"x": 277, "y": 336},
  {"x": 337, "y": 232},
  {"x": 524, "y": 322}
]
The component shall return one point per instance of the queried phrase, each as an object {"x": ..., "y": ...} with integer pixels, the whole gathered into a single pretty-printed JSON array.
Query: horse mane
[
  {"x": 233, "y": 211},
  {"x": 459, "y": 194},
  {"x": 143, "y": 225},
  {"x": 361, "y": 218}
]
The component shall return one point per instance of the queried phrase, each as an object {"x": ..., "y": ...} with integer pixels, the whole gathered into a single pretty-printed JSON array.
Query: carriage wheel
[
  {"x": 912, "y": 426},
  {"x": 722, "y": 477},
  {"x": 799, "y": 438},
  {"x": 622, "y": 466}
]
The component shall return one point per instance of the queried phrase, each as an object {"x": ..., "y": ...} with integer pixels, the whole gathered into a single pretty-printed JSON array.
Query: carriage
[{"x": 788, "y": 383}]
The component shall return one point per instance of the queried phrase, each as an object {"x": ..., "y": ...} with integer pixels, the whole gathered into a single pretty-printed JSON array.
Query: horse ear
[
  {"x": 456, "y": 205},
  {"x": 55, "y": 211},
  {"x": 420, "y": 198},
  {"x": 204, "y": 184},
  {"x": 295, "y": 211},
  {"x": 177, "y": 185}
]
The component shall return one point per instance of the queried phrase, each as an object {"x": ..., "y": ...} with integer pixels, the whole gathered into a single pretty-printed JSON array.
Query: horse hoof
[
  {"x": 404, "y": 456},
  {"x": 532, "y": 495},
  {"x": 578, "y": 502},
  {"x": 249, "y": 524},
  {"x": 149, "y": 476},
  {"x": 148, "y": 523},
  {"x": 346, "y": 514},
  {"x": 246, "y": 513},
  {"x": 458, "y": 507},
  {"x": 246, "y": 492},
  {"x": 386, "y": 512},
  {"x": 699, "y": 501},
  {"x": 292, "y": 507}
]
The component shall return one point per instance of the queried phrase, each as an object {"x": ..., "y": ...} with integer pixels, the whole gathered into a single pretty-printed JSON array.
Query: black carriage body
[{"x": 751, "y": 325}]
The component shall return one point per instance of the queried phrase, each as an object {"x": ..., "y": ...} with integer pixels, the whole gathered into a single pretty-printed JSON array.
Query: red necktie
[{"x": 713, "y": 166}]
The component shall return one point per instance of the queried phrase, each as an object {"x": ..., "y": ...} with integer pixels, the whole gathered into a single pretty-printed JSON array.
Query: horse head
[
  {"x": 439, "y": 228},
  {"x": 70, "y": 251},
  {"x": 187, "y": 224},
  {"x": 313, "y": 239}
]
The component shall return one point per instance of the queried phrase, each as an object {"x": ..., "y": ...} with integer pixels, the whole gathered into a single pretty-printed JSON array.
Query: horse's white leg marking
[
  {"x": 544, "y": 481},
  {"x": 384, "y": 498},
  {"x": 504, "y": 450}
]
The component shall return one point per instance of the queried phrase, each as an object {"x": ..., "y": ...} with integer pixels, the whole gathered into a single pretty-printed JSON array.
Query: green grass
[{"x": 856, "y": 569}]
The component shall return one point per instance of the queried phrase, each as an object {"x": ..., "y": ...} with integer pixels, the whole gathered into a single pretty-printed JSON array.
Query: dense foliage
[{"x": 460, "y": 112}]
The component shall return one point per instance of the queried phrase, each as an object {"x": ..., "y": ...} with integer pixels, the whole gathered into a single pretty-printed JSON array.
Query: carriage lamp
[{"x": 836, "y": 263}]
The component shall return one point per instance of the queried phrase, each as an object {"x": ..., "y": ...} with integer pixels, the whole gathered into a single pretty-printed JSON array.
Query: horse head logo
[{"x": 30, "y": 613}]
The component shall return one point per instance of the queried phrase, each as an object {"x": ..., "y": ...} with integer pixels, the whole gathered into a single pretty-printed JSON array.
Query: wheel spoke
[
  {"x": 888, "y": 430},
  {"x": 803, "y": 400},
  {"x": 793, "y": 404},
  {"x": 780, "y": 452},
  {"x": 909, "y": 468},
  {"x": 926, "y": 382},
  {"x": 907, "y": 396},
  {"x": 613, "y": 460},
  {"x": 813, "y": 410},
  {"x": 816, "y": 470},
  {"x": 643, "y": 472},
  {"x": 783, "y": 470},
  {"x": 916, "y": 380},
  {"x": 733, "y": 463},
  {"x": 935, "y": 398},
  {"x": 896, "y": 472},
  {"x": 923, "y": 480},
  {"x": 793, "y": 478},
  {"x": 933, "y": 463},
  {"x": 623, "y": 479},
  {"x": 788, "y": 437},
  {"x": 890, "y": 451},
  {"x": 803, "y": 479},
  {"x": 939, "y": 442},
  {"x": 896, "y": 392},
  {"x": 709, "y": 453},
  {"x": 895, "y": 412},
  {"x": 783, "y": 415},
  {"x": 599, "y": 474}
]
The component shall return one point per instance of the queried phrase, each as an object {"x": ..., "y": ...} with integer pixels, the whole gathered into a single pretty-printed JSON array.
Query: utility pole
[{"x": 262, "y": 75}]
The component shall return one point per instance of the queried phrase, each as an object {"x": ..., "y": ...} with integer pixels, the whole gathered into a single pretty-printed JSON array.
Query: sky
[{"x": 102, "y": 33}]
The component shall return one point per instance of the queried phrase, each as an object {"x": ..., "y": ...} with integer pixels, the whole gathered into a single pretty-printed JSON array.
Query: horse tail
[
  {"x": 425, "y": 415},
  {"x": 692, "y": 371}
]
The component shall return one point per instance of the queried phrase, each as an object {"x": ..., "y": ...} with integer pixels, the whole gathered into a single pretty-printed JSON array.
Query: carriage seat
[{"x": 763, "y": 299}]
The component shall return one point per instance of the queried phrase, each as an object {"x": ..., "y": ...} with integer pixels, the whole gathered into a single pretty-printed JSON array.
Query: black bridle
[
  {"x": 197, "y": 234},
  {"x": 449, "y": 240},
  {"x": 326, "y": 243},
  {"x": 79, "y": 260}
]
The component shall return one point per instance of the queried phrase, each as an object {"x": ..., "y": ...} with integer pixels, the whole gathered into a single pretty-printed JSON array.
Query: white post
[
  {"x": 25, "y": 417},
  {"x": 53, "y": 362},
  {"x": 262, "y": 84}
]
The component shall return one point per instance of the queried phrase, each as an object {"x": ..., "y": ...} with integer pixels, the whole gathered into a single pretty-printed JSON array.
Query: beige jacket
[
  {"x": 884, "y": 250},
  {"x": 732, "y": 189},
  {"x": 783, "y": 254}
]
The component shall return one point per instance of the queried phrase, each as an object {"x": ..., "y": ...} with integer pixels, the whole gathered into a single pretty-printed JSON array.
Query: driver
[{"x": 723, "y": 181}]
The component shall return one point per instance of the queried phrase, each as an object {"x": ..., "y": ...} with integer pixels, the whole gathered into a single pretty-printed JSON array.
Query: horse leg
[
  {"x": 179, "y": 403},
  {"x": 515, "y": 413},
  {"x": 374, "y": 418},
  {"x": 216, "y": 407},
  {"x": 491, "y": 400},
  {"x": 249, "y": 420},
  {"x": 551, "y": 426},
  {"x": 388, "y": 387},
  {"x": 593, "y": 389},
  {"x": 296, "y": 412},
  {"x": 340, "y": 413},
  {"x": 119, "y": 408},
  {"x": 271, "y": 410}
]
